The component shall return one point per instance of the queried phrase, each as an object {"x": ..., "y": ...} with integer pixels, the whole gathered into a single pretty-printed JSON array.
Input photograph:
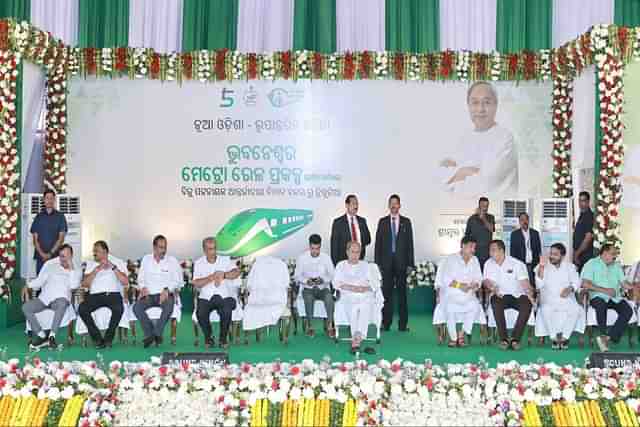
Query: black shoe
[
  {"x": 386, "y": 328},
  {"x": 209, "y": 342},
  {"x": 370, "y": 350},
  {"x": 101, "y": 345},
  {"x": 224, "y": 345},
  {"x": 158, "y": 341},
  {"x": 52, "y": 342},
  {"x": 38, "y": 341},
  {"x": 148, "y": 341},
  {"x": 405, "y": 329}
]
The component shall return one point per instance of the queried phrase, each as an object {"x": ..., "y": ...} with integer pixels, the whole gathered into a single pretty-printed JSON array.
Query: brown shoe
[
  {"x": 331, "y": 332},
  {"x": 515, "y": 345}
]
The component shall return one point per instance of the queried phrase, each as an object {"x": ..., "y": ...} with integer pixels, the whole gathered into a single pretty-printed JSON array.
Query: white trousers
[
  {"x": 560, "y": 319},
  {"x": 466, "y": 314},
  {"x": 358, "y": 310}
]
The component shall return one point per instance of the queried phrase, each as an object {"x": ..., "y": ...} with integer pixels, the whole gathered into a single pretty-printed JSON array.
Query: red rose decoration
[
  {"x": 4, "y": 34},
  {"x": 90, "y": 60},
  {"x": 349, "y": 67},
  {"x": 121, "y": 59},
  {"x": 220, "y": 68},
  {"x": 252, "y": 68},
  {"x": 398, "y": 66},
  {"x": 446, "y": 64},
  {"x": 155, "y": 66},
  {"x": 317, "y": 65},
  {"x": 365, "y": 65},
  {"x": 187, "y": 66},
  {"x": 285, "y": 59}
]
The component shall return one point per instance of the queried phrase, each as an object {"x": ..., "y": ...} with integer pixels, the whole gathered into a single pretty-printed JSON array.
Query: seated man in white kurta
[
  {"x": 460, "y": 277},
  {"x": 356, "y": 293},
  {"x": 268, "y": 285},
  {"x": 558, "y": 281}
]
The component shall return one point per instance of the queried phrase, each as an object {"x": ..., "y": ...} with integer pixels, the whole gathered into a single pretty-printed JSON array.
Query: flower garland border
[
  {"x": 610, "y": 70},
  {"x": 9, "y": 161},
  {"x": 561, "y": 65},
  {"x": 562, "y": 113}
]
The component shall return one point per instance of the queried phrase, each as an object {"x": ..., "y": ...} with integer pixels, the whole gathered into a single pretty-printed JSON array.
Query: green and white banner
[{"x": 263, "y": 165}]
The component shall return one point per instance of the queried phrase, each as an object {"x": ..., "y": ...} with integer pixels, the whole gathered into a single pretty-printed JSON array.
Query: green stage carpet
[{"x": 417, "y": 345}]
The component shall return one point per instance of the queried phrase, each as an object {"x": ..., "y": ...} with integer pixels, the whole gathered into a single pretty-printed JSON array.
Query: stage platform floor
[{"x": 417, "y": 345}]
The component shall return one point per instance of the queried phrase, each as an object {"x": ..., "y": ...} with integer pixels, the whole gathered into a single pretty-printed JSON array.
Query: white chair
[
  {"x": 375, "y": 313},
  {"x": 45, "y": 318},
  {"x": 236, "y": 316},
  {"x": 268, "y": 287},
  {"x": 101, "y": 317},
  {"x": 612, "y": 316}
]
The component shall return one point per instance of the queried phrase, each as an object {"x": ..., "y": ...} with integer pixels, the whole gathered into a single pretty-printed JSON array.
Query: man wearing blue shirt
[{"x": 48, "y": 230}]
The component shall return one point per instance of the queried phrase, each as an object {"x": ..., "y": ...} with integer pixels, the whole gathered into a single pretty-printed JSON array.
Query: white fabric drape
[
  {"x": 360, "y": 26},
  {"x": 574, "y": 17},
  {"x": 156, "y": 24},
  {"x": 468, "y": 25},
  {"x": 265, "y": 25},
  {"x": 59, "y": 17}
]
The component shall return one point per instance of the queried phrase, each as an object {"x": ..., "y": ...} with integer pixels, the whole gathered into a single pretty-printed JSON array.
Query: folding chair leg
[
  {"x": 235, "y": 332},
  {"x": 196, "y": 338},
  {"x": 174, "y": 331},
  {"x": 630, "y": 334},
  {"x": 529, "y": 335},
  {"x": 284, "y": 324},
  {"x": 541, "y": 341},
  {"x": 483, "y": 335},
  {"x": 122, "y": 337},
  {"x": 581, "y": 341},
  {"x": 258, "y": 334},
  {"x": 590, "y": 335},
  {"x": 133, "y": 331},
  {"x": 440, "y": 333},
  {"x": 70, "y": 328}
]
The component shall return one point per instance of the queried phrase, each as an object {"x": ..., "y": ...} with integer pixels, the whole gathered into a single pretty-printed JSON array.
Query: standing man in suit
[
  {"x": 349, "y": 228},
  {"x": 394, "y": 253},
  {"x": 480, "y": 227},
  {"x": 526, "y": 246}
]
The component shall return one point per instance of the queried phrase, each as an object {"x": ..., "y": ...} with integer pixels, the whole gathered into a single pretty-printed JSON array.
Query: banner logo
[
  {"x": 281, "y": 97},
  {"x": 254, "y": 229}
]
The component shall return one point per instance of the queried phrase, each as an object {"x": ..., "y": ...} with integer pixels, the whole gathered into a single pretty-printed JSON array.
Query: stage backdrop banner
[
  {"x": 263, "y": 165},
  {"x": 631, "y": 170}
]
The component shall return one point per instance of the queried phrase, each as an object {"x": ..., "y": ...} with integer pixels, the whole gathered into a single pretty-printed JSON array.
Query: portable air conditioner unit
[
  {"x": 32, "y": 204},
  {"x": 511, "y": 209},
  {"x": 557, "y": 224}
]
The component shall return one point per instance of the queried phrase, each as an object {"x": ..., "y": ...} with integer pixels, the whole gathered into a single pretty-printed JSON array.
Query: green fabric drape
[
  {"x": 210, "y": 24},
  {"x": 314, "y": 25},
  {"x": 523, "y": 24},
  {"x": 627, "y": 13},
  {"x": 18, "y": 9},
  {"x": 412, "y": 25},
  {"x": 103, "y": 23}
]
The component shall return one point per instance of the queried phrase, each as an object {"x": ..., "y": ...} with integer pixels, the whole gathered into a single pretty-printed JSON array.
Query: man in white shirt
[
  {"x": 558, "y": 281},
  {"x": 352, "y": 279},
  {"x": 106, "y": 278},
  {"x": 314, "y": 272},
  {"x": 56, "y": 280},
  {"x": 459, "y": 279},
  {"x": 486, "y": 159},
  {"x": 507, "y": 279},
  {"x": 159, "y": 277},
  {"x": 211, "y": 274}
]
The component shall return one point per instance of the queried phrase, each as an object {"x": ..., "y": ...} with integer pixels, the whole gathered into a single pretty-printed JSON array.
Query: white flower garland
[
  {"x": 106, "y": 60},
  {"x": 268, "y": 71},
  {"x": 237, "y": 65},
  {"x": 545, "y": 64},
  {"x": 562, "y": 106},
  {"x": 303, "y": 64},
  {"x": 55, "y": 148},
  {"x": 611, "y": 98},
  {"x": 381, "y": 65},
  {"x": 9, "y": 171},
  {"x": 332, "y": 67},
  {"x": 140, "y": 62},
  {"x": 413, "y": 69},
  {"x": 204, "y": 66},
  {"x": 172, "y": 66},
  {"x": 496, "y": 66},
  {"x": 462, "y": 65}
]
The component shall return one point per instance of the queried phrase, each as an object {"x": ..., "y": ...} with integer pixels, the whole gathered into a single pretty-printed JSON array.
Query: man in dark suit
[
  {"x": 526, "y": 246},
  {"x": 394, "y": 253},
  {"x": 346, "y": 228}
]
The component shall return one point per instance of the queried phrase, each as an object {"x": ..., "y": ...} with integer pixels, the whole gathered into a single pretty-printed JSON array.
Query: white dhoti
[
  {"x": 268, "y": 284},
  {"x": 357, "y": 308},
  {"x": 561, "y": 318},
  {"x": 467, "y": 313}
]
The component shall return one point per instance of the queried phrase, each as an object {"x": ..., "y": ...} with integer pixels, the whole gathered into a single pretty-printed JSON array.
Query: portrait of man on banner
[{"x": 485, "y": 158}]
